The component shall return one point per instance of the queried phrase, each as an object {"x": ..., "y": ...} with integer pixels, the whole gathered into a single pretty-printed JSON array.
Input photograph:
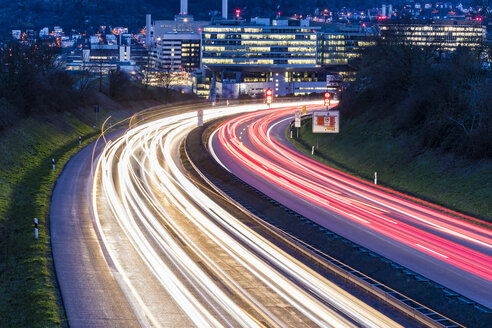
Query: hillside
[{"x": 27, "y": 281}]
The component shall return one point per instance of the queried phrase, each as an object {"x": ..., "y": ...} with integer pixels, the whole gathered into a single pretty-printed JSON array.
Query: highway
[
  {"x": 182, "y": 260},
  {"x": 426, "y": 239}
]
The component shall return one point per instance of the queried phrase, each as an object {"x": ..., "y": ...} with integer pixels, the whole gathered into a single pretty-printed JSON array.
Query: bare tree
[
  {"x": 117, "y": 81},
  {"x": 167, "y": 75}
]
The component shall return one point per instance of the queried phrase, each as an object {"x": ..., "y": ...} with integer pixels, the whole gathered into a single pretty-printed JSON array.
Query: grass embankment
[
  {"x": 366, "y": 146},
  {"x": 28, "y": 292}
]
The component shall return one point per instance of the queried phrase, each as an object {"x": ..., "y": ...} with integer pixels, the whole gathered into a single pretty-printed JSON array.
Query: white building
[
  {"x": 94, "y": 39},
  {"x": 16, "y": 34},
  {"x": 44, "y": 32},
  {"x": 57, "y": 31}
]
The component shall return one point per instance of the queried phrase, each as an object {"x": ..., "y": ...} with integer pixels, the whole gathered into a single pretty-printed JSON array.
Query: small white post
[
  {"x": 291, "y": 134},
  {"x": 36, "y": 228},
  {"x": 53, "y": 162},
  {"x": 227, "y": 102},
  {"x": 80, "y": 140},
  {"x": 312, "y": 151},
  {"x": 376, "y": 178}
]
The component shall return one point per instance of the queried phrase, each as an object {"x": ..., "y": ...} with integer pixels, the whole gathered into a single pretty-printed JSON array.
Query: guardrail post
[{"x": 36, "y": 228}]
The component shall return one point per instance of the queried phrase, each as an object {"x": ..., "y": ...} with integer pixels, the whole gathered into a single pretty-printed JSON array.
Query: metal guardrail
[{"x": 397, "y": 300}]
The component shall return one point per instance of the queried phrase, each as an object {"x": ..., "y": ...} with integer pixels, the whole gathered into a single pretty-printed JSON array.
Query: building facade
[
  {"x": 261, "y": 43},
  {"x": 445, "y": 35},
  {"x": 341, "y": 43},
  {"x": 177, "y": 51},
  {"x": 292, "y": 57}
]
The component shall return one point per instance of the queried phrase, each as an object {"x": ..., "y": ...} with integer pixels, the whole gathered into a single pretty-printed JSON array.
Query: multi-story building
[
  {"x": 281, "y": 43},
  {"x": 101, "y": 58},
  {"x": 288, "y": 56},
  {"x": 340, "y": 43},
  {"x": 247, "y": 58},
  {"x": 176, "y": 43},
  {"x": 444, "y": 35},
  {"x": 177, "y": 51}
]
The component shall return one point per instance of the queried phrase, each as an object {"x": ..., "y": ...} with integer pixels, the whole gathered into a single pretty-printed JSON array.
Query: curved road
[
  {"x": 450, "y": 251},
  {"x": 140, "y": 244},
  {"x": 90, "y": 291}
]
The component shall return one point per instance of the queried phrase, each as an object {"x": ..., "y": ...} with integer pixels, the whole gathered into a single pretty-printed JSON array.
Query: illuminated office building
[
  {"x": 247, "y": 58},
  {"x": 177, "y": 51},
  {"x": 283, "y": 43},
  {"x": 288, "y": 56},
  {"x": 340, "y": 43},
  {"x": 445, "y": 35}
]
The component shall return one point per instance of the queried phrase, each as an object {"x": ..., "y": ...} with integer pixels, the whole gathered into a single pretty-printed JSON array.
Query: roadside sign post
[
  {"x": 325, "y": 122},
  {"x": 96, "y": 110},
  {"x": 297, "y": 122},
  {"x": 80, "y": 140},
  {"x": 375, "y": 178},
  {"x": 199, "y": 115},
  {"x": 53, "y": 163},
  {"x": 36, "y": 228}
]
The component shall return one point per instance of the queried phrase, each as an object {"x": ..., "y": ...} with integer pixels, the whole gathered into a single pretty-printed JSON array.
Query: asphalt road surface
[
  {"x": 90, "y": 291},
  {"x": 450, "y": 251},
  {"x": 139, "y": 244}
]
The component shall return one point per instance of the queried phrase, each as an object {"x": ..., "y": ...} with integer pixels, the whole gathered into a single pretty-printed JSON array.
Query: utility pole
[
  {"x": 100, "y": 74},
  {"x": 96, "y": 110}
]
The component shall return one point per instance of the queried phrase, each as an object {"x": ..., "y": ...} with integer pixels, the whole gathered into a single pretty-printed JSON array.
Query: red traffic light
[
  {"x": 327, "y": 98},
  {"x": 269, "y": 96}
]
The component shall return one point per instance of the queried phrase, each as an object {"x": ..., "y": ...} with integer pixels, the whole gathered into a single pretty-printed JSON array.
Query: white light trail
[{"x": 185, "y": 239}]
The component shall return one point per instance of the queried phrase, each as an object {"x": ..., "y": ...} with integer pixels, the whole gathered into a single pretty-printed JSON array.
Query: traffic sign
[
  {"x": 297, "y": 119},
  {"x": 326, "y": 122}
]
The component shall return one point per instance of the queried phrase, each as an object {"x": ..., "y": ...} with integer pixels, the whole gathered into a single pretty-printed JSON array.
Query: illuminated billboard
[{"x": 326, "y": 122}]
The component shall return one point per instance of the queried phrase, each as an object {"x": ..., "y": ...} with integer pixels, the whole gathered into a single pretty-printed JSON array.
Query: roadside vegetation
[
  {"x": 43, "y": 111},
  {"x": 424, "y": 123}
]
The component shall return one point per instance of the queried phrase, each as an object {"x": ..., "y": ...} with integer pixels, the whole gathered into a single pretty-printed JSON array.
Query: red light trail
[{"x": 410, "y": 221}]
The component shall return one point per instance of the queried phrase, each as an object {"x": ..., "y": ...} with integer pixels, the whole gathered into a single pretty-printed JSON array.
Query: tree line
[
  {"x": 33, "y": 81},
  {"x": 436, "y": 101}
]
